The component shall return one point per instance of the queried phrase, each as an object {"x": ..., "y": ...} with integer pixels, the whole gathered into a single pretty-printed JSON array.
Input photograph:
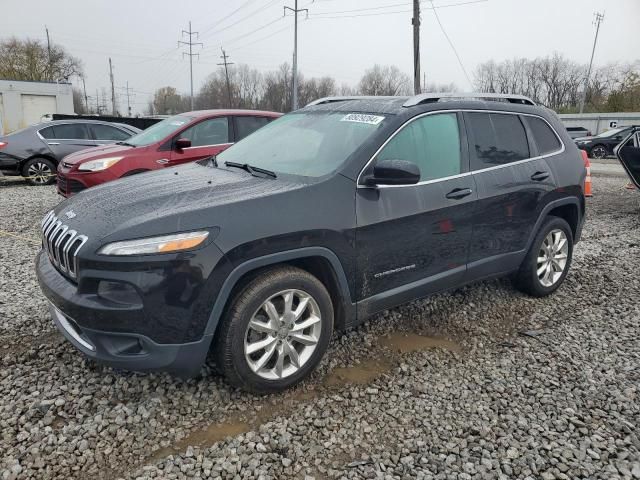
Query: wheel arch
[
  {"x": 38, "y": 155},
  {"x": 571, "y": 209},
  {"x": 318, "y": 261}
]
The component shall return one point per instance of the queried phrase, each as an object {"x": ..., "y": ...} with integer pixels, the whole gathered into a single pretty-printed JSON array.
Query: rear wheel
[
  {"x": 39, "y": 171},
  {"x": 546, "y": 264},
  {"x": 276, "y": 331},
  {"x": 599, "y": 151}
]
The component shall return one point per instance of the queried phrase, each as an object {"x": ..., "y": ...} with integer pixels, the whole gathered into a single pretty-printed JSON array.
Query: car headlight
[
  {"x": 163, "y": 244},
  {"x": 100, "y": 164}
]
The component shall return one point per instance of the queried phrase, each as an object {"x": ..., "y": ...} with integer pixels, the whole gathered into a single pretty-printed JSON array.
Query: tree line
[
  {"x": 558, "y": 83},
  {"x": 554, "y": 81}
]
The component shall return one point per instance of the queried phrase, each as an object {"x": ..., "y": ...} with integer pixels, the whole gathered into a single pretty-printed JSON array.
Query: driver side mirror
[
  {"x": 182, "y": 143},
  {"x": 393, "y": 172}
]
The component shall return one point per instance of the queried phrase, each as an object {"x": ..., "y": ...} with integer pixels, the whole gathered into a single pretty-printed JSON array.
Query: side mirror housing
[
  {"x": 182, "y": 143},
  {"x": 393, "y": 172}
]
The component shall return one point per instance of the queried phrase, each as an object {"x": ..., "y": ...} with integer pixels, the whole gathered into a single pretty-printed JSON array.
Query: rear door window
[
  {"x": 495, "y": 139},
  {"x": 214, "y": 131},
  {"x": 107, "y": 132},
  {"x": 71, "y": 131},
  {"x": 246, "y": 125},
  {"x": 47, "y": 132},
  {"x": 431, "y": 142}
]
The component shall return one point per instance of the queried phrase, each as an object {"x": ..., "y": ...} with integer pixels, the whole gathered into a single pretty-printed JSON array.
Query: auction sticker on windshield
[{"x": 362, "y": 118}]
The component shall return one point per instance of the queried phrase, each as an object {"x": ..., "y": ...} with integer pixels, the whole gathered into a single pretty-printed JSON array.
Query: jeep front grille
[{"x": 62, "y": 244}]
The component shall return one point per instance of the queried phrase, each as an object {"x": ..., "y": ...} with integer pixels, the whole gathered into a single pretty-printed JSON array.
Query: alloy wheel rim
[
  {"x": 39, "y": 172},
  {"x": 599, "y": 152},
  {"x": 552, "y": 257},
  {"x": 282, "y": 334}
]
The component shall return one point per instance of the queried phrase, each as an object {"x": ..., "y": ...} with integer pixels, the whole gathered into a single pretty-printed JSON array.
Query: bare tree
[
  {"x": 30, "y": 60},
  {"x": 167, "y": 101},
  {"x": 79, "y": 106},
  {"x": 384, "y": 80}
]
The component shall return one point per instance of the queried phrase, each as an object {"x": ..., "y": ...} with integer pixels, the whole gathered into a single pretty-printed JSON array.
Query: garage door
[{"x": 35, "y": 106}]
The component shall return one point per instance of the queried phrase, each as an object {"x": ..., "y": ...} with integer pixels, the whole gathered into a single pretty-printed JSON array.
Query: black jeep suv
[{"x": 327, "y": 215}]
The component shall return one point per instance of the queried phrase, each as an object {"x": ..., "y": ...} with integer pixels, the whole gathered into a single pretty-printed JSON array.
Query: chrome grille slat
[{"x": 62, "y": 244}]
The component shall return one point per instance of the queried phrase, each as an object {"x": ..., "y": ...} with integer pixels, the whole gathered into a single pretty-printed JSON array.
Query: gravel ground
[{"x": 522, "y": 388}]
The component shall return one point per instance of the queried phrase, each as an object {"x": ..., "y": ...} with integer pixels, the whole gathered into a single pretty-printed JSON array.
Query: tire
[
  {"x": 527, "y": 279},
  {"x": 599, "y": 151},
  {"x": 236, "y": 345},
  {"x": 39, "y": 171}
]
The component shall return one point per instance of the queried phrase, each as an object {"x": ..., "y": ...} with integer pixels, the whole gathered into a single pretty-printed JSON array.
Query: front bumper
[
  {"x": 131, "y": 351},
  {"x": 161, "y": 332}
]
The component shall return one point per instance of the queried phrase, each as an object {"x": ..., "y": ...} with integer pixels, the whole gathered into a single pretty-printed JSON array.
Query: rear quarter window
[
  {"x": 496, "y": 139},
  {"x": 543, "y": 136}
]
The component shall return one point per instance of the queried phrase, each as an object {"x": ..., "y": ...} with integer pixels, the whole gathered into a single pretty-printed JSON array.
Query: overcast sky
[{"x": 341, "y": 38}]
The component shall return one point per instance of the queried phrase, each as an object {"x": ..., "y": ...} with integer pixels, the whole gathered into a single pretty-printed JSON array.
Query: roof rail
[
  {"x": 436, "y": 97},
  {"x": 322, "y": 101}
]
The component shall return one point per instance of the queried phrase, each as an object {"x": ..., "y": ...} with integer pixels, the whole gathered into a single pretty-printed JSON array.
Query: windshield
[
  {"x": 611, "y": 133},
  {"x": 310, "y": 144},
  {"x": 157, "y": 132}
]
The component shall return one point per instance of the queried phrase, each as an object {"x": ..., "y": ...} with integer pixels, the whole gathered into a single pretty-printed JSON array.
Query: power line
[
  {"x": 435, "y": 12},
  {"x": 295, "y": 10},
  {"x": 599, "y": 17},
  {"x": 332, "y": 15},
  {"x": 208, "y": 29},
  {"x": 191, "y": 43},
  {"x": 242, "y": 19},
  {"x": 224, "y": 56},
  {"x": 415, "y": 21}
]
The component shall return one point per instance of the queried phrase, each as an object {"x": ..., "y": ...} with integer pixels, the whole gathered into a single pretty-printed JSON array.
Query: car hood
[
  {"x": 170, "y": 200},
  {"x": 583, "y": 139},
  {"x": 102, "y": 151}
]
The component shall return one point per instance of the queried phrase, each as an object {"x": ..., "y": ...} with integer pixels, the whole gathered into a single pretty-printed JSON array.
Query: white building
[{"x": 24, "y": 103}]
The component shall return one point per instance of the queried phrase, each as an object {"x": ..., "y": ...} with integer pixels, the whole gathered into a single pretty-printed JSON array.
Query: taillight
[{"x": 3, "y": 144}]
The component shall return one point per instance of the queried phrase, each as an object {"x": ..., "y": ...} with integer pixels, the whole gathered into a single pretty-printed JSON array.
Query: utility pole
[
  {"x": 415, "y": 21},
  {"x": 295, "y": 10},
  {"x": 113, "y": 89},
  {"x": 191, "y": 43},
  {"x": 128, "y": 102},
  {"x": 49, "y": 76},
  {"x": 86, "y": 99},
  {"x": 97, "y": 102},
  {"x": 224, "y": 57},
  {"x": 599, "y": 17}
]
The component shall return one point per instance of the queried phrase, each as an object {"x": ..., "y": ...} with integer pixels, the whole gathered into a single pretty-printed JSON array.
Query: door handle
[
  {"x": 458, "y": 193},
  {"x": 53, "y": 143},
  {"x": 539, "y": 176}
]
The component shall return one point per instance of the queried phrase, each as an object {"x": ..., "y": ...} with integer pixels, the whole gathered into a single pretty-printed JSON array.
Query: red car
[{"x": 179, "y": 139}]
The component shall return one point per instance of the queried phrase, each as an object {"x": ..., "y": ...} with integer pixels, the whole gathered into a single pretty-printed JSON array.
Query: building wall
[
  {"x": 600, "y": 122},
  {"x": 11, "y": 101}
]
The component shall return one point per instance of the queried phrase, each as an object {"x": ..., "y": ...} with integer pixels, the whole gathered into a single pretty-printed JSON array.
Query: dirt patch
[
  {"x": 360, "y": 374},
  {"x": 411, "y": 342}
]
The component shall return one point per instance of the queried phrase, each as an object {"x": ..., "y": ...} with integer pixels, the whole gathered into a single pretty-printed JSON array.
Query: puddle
[
  {"x": 360, "y": 374},
  {"x": 412, "y": 342},
  {"x": 202, "y": 438}
]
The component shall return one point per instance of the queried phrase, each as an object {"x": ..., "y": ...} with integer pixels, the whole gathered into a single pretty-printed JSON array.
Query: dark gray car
[{"x": 34, "y": 152}]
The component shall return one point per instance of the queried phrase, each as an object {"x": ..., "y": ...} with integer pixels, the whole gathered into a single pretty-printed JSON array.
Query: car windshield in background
[
  {"x": 158, "y": 131},
  {"x": 310, "y": 144},
  {"x": 610, "y": 133}
]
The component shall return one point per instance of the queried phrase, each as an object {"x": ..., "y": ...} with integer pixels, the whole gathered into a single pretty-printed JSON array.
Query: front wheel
[
  {"x": 545, "y": 266},
  {"x": 39, "y": 171},
  {"x": 276, "y": 331},
  {"x": 599, "y": 151}
]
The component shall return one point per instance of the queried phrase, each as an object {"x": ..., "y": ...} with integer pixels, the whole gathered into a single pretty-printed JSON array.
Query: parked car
[
  {"x": 179, "y": 139},
  {"x": 34, "y": 152},
  {"x": 628, "y": 153},
  {"x": 578, "y": 132},
  {"x": 602, "y": 145},
  {"x": 332, "y": 213}
]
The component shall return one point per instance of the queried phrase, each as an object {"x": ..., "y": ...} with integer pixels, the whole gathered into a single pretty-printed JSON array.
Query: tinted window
[
  {"x": 543, "y": 136},
  {"x": 47, "y": 132},
  {"x": 248, "y": 125},
  {"x": 496, "y": 139},
  {"x": 106, "y": 132},
  {"x": 431, "y": 142},
  {"x": 71, "y": 131},
  {"x": 209, "y": 132}
]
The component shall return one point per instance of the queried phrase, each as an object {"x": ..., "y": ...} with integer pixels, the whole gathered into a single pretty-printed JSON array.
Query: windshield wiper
[{"x": 250, "y": 169}]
